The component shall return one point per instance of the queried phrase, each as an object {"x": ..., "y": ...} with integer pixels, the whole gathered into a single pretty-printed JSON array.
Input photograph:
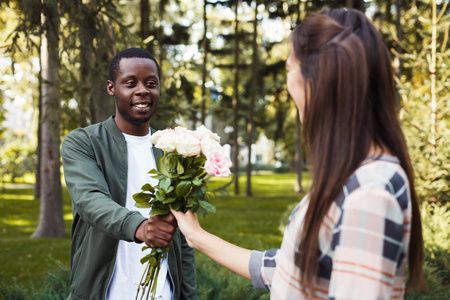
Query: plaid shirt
[{"x": 363, "y": 241}]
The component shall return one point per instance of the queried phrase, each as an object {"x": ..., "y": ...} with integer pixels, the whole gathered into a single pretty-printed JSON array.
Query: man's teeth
[{"x": 142, "y": 105}]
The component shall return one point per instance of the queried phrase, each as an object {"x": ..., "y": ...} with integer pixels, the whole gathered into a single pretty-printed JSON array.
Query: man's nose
[{"x": 141, "y": 89}]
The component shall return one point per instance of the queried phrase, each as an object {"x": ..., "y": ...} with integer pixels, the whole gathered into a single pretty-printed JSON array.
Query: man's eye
[
  {"x": 151, "y": 83},
  {"x": 130, "y": 82}
]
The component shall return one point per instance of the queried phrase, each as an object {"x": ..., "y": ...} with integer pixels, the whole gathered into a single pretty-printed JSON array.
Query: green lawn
[
  {"x": 23, "y": 259},
  {"x": 253, "y": 222}
]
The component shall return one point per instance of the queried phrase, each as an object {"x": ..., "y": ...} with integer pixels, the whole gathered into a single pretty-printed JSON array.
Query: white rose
[
  {"x": 202, "y": 132},
  {"x": 210, "y": 146},
  {"x": 157, "y": 135},
  {"x": 187, "y": 145},
  {"x": 167, "y": 141}
]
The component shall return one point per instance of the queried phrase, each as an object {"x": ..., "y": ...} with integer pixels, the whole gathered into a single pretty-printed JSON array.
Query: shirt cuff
[{"x": 254, "y": 267}]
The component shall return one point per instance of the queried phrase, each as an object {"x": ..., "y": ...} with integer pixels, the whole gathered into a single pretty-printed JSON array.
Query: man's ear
[{"x": 110, "y": 87}]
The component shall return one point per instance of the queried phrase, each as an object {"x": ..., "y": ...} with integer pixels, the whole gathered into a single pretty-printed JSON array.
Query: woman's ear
[{"x": 110, "y": 87}]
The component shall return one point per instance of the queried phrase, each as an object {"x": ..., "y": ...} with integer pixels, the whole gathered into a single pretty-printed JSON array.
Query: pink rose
[{"x": 218, "y": 164}]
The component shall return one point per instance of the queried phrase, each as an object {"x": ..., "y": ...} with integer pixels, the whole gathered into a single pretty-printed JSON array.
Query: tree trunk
[
  {"x": 254, "y": 82},
  {"x": 37, "y": 184},
  {"x": 105, "y": 105},
  {"x": 160, "y": 31},
  {"x": 51, "y": 222},
  {"x": 433, "y": 78},
  {"x": 205, "y": 60},
  {"x": 398, "y": 48},
  {"x": 235, "y": 102},
  {"x": 85, "y": 101}
]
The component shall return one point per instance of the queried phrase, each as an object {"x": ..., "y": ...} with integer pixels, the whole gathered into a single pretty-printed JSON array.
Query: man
[{"x": 104, "y": 165}]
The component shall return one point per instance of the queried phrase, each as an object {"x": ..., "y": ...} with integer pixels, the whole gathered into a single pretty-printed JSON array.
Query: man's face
[{"x": 136, "y": 90}]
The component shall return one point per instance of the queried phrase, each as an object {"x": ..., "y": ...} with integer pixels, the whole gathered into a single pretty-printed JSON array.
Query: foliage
[
  {"x": 436, "y": 232},
  {"x": 181, "y": 184},
  {"x": 17, "y": 159},
  {"x": 430, "y": 154},
  {"x": 56, "y": 286}
]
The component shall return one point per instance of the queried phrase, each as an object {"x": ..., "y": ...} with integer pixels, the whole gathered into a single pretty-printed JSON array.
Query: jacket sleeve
[{"x": 90, "y": 190}]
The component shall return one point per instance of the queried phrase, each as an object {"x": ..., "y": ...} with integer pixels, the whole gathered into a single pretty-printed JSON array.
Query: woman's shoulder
[
  {"x": 380, "y": 173},
  {"x": 381, "y": 170}
]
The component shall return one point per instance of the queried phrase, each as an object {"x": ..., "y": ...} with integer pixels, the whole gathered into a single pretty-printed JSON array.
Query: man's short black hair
[{"x": 114, "y": 66}]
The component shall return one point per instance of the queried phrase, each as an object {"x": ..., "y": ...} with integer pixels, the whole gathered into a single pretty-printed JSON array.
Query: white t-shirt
[{"x": 128, "y": 269}]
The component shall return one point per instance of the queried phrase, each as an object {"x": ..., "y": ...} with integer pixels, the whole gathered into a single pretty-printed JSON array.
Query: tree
[
  {"x": 50, "y": 218},
  {"x": 424, "y": 88},
  {"x": 253, "y": 84},
  {"x": 235, "y": 101}
]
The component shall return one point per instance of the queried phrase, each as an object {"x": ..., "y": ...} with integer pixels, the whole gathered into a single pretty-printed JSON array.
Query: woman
[{"x": 350, "y": 236}]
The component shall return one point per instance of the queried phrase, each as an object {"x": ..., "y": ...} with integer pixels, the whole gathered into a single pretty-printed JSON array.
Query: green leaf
[
  {"x": 162, "y": 166},
  {"x": 145, "y": 259},
  {"x": 142, "y": 197},
  {"x": 174, "y": 175},
  {"x": 197, "y": 182},
  {"x": 180, "y": 169},
  {"x": 173, "y": 164},
  {"x": 159, "y": 177},
  {"x": 199, "y": 193},
  {"x": 148, "y": 187},
  {"x": 176, "y": 205},
  {"x": 154, "y": 171},
  {"x": 187, "y": 162},
  {"x": 165, "y": 183},
  {"x": 153, "y": 261},
  {"x": 159, "y": 209},
  {"x": 142, "y": 205},
  {"x": 210, "y": 197},
  {"x": 207, "y": 206},
  {"x": 169, "y": 200},
  {"x": 160, "y": 195},
  {"x": 186, "y": 176},
  {"x": 170, "y": 189},
  {"x": 183, "y": 188},
  {"x": 199, "y": 160}
]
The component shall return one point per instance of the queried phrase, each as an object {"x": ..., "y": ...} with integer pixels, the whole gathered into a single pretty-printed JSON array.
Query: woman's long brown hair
[{"x": 352, "y": 105}]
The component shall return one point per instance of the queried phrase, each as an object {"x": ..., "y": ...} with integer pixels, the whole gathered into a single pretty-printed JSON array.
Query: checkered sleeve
[
  {"x": 262, "y": 268},
  {"x": 368, "y": 246}
]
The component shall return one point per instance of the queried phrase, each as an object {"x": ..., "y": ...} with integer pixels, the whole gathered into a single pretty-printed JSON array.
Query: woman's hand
[
  {"x": 189, "y": 226},
  {"x": 228, "y": 255}
]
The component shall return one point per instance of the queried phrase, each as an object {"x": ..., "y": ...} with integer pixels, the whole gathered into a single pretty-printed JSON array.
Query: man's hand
[{"x": 157, "y": 231}]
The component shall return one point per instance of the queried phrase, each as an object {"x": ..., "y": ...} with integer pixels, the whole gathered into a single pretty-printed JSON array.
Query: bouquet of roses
[{"x": 190, "y": 157}]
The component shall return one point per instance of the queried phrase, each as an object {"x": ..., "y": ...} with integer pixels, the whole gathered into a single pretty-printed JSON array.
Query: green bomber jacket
[{"x": 95, "y": 169}]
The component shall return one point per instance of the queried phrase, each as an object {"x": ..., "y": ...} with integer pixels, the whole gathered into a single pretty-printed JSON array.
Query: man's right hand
[{"x": 157, "y": 231}]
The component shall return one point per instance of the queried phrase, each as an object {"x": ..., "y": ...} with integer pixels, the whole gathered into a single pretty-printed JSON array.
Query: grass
[
  {"x": 24, "y": 259},
  {"x": 38, "y": 268},
  {"x": 251, "y": 222}
]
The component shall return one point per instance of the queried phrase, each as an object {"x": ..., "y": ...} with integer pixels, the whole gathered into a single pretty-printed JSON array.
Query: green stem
[{"x": 141, "y": 281}]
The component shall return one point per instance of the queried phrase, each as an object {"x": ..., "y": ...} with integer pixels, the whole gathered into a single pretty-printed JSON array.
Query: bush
[
  {"x": 436, "y": 235},
  {"x": 56, "y": 287},
  {"x": 215, "y": 282}
]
